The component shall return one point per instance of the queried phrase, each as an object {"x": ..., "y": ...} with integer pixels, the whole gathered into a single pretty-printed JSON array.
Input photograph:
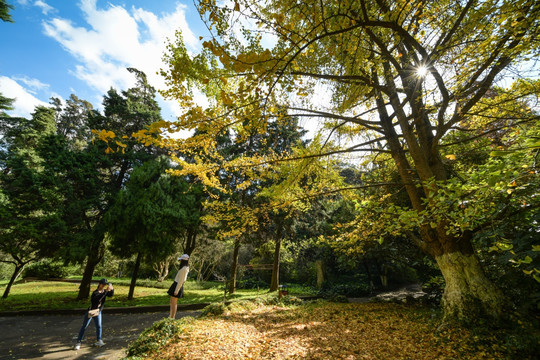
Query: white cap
[{"x": 184, "y": 257}]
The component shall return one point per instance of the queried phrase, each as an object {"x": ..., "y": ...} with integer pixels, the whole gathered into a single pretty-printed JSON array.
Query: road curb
[{"x": 107, "y": 310}]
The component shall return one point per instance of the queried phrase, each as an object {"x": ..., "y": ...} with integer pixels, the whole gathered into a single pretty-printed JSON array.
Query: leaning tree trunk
[
  {"x": 84, "y": 288},
  {"x": 95, "y": 254},
  {"x": 18, "y": 270},
  {"x": 274, "y": 284},
  {"x": 234, "y": 266},
  {"x": 134, "y": 276}
]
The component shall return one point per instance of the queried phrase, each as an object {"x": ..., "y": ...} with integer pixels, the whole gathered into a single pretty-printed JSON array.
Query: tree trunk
[
  {"x": 274, "y": 284},
  {"x": 134, "y": 276},
  {"x": 162, "y": 269},
  {"x": 95, "y": 254},
  {"x": 368, "y": 272},
  {"x": 191, "y": 239},
  {"x": 319, "y": 267},
  {"x": 468, "y": 293},
  {"x": 84, "y": 288},
  {"x": 18, "y": 270},
  {"x": 234, "y": 266}
]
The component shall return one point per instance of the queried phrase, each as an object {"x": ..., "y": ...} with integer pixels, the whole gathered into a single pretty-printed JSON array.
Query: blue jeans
[{"x": 86, "y": 322}]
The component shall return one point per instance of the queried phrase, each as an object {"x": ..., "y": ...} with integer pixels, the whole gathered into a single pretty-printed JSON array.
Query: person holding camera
[{"x": 104, "y": 290}]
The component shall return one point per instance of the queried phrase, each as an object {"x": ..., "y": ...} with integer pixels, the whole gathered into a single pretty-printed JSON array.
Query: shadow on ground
[{"x": 53, "y": 336}]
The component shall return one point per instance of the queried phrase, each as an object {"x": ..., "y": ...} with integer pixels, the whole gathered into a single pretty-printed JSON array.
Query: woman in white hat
[{"x": 176, "y": 291}]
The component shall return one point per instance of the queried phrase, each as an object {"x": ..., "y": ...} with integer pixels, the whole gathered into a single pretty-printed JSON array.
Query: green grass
[{"x": 61, "y": 295}]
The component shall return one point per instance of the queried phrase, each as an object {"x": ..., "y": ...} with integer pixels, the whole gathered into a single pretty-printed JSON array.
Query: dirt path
[{"x": 53, "y": 336}]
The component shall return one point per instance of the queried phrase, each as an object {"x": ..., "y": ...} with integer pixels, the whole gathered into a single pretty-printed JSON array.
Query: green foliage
[
  {"x": 434, "y": 289},
  {"x": 4, "y": 11},
  {"x": 157, "y": 336},
  {"x": 330, "y": 290},
  {"x": 214, "y": 309},
  {"x": 45, "y": 269},
  {"x": 152, "y": 212}
]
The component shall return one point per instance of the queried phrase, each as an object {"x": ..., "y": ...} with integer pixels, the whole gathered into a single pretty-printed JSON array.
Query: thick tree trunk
[
  {"x": 18, "y": 270},
  {"x": 134, "y": 276},
  {"x": 468, "y": 293},
  {"x": 274, "y": 284},
  {"x": 234, "y": 267}
]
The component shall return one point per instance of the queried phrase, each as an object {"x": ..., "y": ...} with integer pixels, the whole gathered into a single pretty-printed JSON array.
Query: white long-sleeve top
[{"x": 180, "y": 278}]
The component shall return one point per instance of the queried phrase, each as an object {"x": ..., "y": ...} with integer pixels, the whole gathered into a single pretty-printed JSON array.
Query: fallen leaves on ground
[{"x": 326, "y": 331}]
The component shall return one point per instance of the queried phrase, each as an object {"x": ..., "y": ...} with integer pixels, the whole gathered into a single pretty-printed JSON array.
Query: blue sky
[{"x": 60, "y": 47}]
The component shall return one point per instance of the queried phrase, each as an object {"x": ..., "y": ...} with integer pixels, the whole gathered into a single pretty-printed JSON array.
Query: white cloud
[
  {"x": 114, "y": 38},
  {"x": 45, "y": 8},
  {"x": 25, "y": 101},
  {"x": 34, "y": 85}
]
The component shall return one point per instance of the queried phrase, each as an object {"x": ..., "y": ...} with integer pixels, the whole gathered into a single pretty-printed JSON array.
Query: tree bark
[
  {"x": 18, "y": 270},
  {"x": 319, "y": 267},
  {"x": 84, "y": 288},
  {"x": 274, "y": 284},
  {"x": 191, "y": 239},
  {"x": 368, "y": 272},
  {"x": 162, "y": 269},
  {"x": 134, "y": 276},
  {"x": 468, "y": 293},
  {"x": 234, "y": 266}
]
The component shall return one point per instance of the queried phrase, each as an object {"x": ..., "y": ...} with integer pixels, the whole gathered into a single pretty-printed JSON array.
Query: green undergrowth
[{"x": 157, "y": 336}]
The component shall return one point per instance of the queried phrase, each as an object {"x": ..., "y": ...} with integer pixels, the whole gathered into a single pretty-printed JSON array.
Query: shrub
[
  {"x": 346, "y": 290},
  {"x": 287, "y": 300},
  {"x": 157, "y": 336},
  {"x": 251, "y": 283},
  {"x": 214, "y": 309},
  {"x": 434, "y": 289},
  {"x": 45, "y": 270}
]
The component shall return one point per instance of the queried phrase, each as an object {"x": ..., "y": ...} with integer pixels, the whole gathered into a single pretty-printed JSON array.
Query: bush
[
  {"x": 214, "y": 309},
  {"x": 434, "y": 289},
  {"x": 287, "y": 300},
  {"x": 45, "y": 270},
  {"x": 251, "y": 283},
  {"x": 157, "y": 336},
  {"x": 346, "y": 290}
]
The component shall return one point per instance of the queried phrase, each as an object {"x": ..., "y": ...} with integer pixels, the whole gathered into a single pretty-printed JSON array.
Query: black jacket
[{"x": 98, "y": 299}]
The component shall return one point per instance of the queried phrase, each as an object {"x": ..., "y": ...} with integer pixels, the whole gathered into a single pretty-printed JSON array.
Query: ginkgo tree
[{"x": 391, "y": 77}]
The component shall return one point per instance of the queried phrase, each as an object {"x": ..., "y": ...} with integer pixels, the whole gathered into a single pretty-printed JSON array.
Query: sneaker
[
  {"x": 77, "y": 346},
  {"x": 99, "y": 343}
]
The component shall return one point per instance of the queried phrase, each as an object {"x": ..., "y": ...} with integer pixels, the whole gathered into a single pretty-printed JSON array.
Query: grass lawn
[
  {"x": 61, "y": 295},
  {"x": 322, "y": 330}
]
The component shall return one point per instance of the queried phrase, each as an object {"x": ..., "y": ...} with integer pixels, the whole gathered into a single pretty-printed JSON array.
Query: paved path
[{"x": 53, "y": 336}]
